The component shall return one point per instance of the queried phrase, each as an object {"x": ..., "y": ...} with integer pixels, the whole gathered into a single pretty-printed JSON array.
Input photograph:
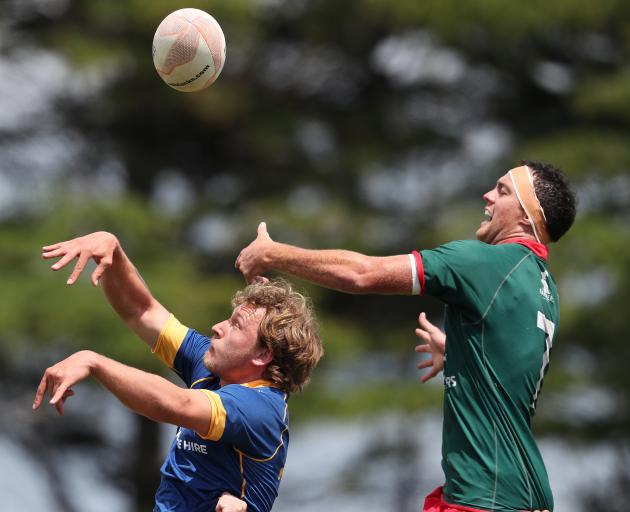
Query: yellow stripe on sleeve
[
  {"x": 170, "y": 340},
  {"x": 217, "y": 416}
]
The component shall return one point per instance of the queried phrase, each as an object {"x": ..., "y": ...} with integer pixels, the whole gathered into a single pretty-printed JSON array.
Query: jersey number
[{"x": 548, "y": 327}]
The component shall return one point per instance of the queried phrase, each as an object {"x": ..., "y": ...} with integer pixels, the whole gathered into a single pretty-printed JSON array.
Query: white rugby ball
[{"x": 189, "y": 50}]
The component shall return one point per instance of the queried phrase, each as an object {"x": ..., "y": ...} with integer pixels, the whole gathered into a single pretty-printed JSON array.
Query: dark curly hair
[
  {"x": 556, "y": 197},
  {"x": 289, "y": 330}
]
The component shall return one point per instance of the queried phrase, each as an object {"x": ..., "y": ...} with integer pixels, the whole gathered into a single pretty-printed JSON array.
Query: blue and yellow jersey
[{"x": 245, "y": 449}]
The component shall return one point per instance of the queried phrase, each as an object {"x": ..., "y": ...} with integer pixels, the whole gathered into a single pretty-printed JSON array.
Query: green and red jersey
[{"x": 501, "y": 320}]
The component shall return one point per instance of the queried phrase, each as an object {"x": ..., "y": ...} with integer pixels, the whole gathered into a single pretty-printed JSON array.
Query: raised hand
[
  {"x": 251, "y": 260},
  {"x": 99, "y": 246},
  {"x": 58, "y": 379},
  {"x": 435, "y": 344},
  {"x": 229, "y": 503}
]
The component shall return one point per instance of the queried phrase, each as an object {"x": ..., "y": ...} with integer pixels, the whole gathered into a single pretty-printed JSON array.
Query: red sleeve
[{"x": 419, "y": 269}]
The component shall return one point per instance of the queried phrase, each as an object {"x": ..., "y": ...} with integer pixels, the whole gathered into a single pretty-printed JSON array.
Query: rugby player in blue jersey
[{"x": 232, "y": 416}]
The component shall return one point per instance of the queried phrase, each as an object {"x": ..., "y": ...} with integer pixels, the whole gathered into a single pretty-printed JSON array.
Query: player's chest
[{"x": 190, "y": 446}]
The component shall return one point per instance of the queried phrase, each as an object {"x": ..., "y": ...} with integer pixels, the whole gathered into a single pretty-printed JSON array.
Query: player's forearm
[
  {"x": 338, "y": 269},
  {"x": 124, "y": 288},
  {"x": 343, "y": 270},
  {"x": 147, "y": 394},
  {"x": 130, "y": 297}
]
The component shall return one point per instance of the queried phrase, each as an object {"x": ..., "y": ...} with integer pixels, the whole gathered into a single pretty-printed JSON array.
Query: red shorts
[{"x": 434, "y": 502}]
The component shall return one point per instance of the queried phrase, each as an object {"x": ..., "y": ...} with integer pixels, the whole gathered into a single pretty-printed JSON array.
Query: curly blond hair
[{"x": 288, "y": 330}]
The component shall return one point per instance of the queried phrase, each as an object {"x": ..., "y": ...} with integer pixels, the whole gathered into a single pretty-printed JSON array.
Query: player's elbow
[{"x": 144, "y": 313}]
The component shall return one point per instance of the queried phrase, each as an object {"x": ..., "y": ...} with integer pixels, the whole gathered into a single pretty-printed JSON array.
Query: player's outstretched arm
[
  {"x": 229, "y": 503},
  {"x": 346, "y": 271},
  {"x": 434, "y": 344},
  {"x": 124, "y": 288},
  {"x": 145, "y": 393}
]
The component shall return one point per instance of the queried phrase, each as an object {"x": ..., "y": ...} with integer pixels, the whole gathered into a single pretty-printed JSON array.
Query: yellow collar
[{"x": 260, "y": 383}]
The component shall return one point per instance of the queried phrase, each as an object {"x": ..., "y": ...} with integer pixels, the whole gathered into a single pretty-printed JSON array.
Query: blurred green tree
[{"x": 369, "y": 124}]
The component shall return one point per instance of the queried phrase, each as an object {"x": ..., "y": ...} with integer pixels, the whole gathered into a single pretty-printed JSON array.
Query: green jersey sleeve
[{"x": 451, "y": 273}]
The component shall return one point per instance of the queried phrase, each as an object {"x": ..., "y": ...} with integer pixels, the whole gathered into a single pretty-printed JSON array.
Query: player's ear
[
  {"x": 525, "y": 222},
  {"x": 263, "y": 357}
]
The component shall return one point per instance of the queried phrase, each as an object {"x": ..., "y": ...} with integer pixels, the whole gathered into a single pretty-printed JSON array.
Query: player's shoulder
[
  {"x": 194, "y": 344},
  {"x": 474, "y": 255},
  {"x": 463, "y": 249},
  {"x": 195, "y": 337},
  {"x": 259, "y": 403},
  {"x": 460, "y": 245},
  {"x": 254, "y": 394},
  {"x": 477, "y": 246}
]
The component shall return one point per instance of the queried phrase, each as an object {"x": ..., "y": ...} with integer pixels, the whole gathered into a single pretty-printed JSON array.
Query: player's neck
[
  {"x": 516, "y": 233},
  {"x": 515, "y": 237},
  {"x": 243, "y": 378}
]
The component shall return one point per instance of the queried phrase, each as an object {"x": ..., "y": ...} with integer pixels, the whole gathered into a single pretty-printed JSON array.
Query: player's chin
[
  {"x": 482, "y": 231},
  {"x": 207, "y": 360}
]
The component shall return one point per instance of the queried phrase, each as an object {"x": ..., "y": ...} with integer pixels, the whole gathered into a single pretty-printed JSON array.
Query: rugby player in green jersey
[
  {"x": 232, "y": 416},
  {"x": 501, "y": 319}
]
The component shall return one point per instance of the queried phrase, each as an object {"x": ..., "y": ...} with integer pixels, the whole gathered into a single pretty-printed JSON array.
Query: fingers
[
  {"x": 428, "y": 376},
  {"x": 67, "y": 258},
  {"x": 248, "y": 275},
  {"x": 425, "y": 324},
  {"x": 41, "y": 391},
  {"x": 238, "y": 265},
  {"x": 61, "y": 402},
  {"x": 52, "y": 247},
  {"x": 423, "y": 335},
  {"x": 78, "y": 268},
  {"x": 100, "y": 269},
  {"x": 247, "y": 261},
  {"x": 241, "y": 267},
  {"x": 260, "y": 280},
  {"x": 61, "y": 395},
  {"x": 58, "y": 393},
  {"x": 53, "y": 253},
  {"x": 426, "y": 363},
  {"x": 59, "y": 407},
  {"x": 67, "y": 255},
  {"x": 96, "y": 275}
]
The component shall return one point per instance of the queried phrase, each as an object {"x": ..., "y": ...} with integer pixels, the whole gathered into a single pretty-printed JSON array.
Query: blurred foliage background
[{"x": 372, "y": 125}]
